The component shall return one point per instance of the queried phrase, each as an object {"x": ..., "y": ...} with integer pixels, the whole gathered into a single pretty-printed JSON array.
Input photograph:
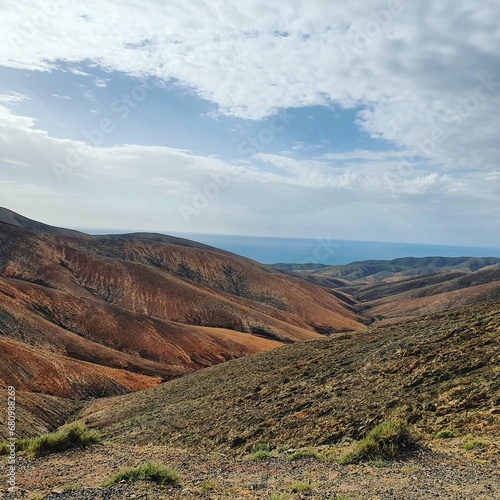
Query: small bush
[
  {"x": 476, "y": 444},
  {"x": 209, "y": 486},
  {"x": 279, "y": 496},
  {"x": 260, "y": 455},
  {"x": 74, "y": 435},
  {"x": 260, "y": 447},
  {"x": 385, "y": 442},
  {"x": 4, "y": 448},
  {"x": 445, "y": 434},
  {"x": 71, "y": 487},
  {"x": 150, "y": 471},
  {"x": 21, "y": 445},
  {"x": 298, "y": 487},
  {"x": 260, "y": 451}
]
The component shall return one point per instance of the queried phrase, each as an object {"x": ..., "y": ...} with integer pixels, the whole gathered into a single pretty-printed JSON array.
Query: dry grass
[
  {"x": 150, "y": 471},
  {"x": 387, "y": 441},
  {"x": 435, "y": 372},
  {"x": 74, "y": 435}
]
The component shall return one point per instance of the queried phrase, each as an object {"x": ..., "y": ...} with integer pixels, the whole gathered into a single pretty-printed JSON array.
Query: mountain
[
  {"x": 408, "y": 287},
  {"x": 374, "y": 271},
  {"x": 86, "y": 316},
  {"x": 437, "y": 372}
]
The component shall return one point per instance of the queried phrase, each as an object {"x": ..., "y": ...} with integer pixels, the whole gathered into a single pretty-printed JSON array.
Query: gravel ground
[{"x": 447, "y": 473}]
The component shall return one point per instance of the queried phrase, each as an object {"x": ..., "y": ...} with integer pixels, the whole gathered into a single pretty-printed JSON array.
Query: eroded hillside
[
  {"x": 437, "y": 372},
  {"x": 90, "y": 316}
]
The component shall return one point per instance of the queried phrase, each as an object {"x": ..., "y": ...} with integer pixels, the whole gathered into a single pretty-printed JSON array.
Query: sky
[{"x": 356, "y": 120}]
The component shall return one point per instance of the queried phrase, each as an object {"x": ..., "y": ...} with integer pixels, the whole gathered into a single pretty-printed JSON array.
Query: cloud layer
[{"x": 425, "y": 76}]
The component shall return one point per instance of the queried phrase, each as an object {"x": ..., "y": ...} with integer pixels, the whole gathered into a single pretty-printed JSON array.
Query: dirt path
[{"x": 447, "y": 473}]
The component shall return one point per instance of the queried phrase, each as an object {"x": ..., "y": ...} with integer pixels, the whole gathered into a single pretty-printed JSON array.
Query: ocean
[{"x": 328, "y": 251}]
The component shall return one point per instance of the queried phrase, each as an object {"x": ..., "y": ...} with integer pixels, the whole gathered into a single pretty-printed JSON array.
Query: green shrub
[
  {"x": 260, "y": 451},
  {"x": 260, "y": 447},
  {"x": 279, "y": 496},
  {"x": 4, "y": 448},
  {"x": 150, "y": 471},
  {"x": 385, "y": 442},
  {"x": 476, "y": 444},
  {"x": 209, "y": 486},
  {"x": 298, "y": 487},
  {"x": 260, "y": 455},
  {"x": 446, "y": 434},
  {"x": 74, "y": 435},
  {"x": 21, "y": 445}
]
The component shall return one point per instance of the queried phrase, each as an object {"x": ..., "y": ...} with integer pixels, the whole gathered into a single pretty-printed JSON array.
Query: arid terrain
[
  {"x": 84, "y": 317},
  {"x": 198, "y": 358},
  {"x": 443, "y": 470}
]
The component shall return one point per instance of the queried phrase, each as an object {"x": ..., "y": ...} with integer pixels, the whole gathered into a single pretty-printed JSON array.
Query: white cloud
[
  {"x": 168, "y": 189},
  {"x": 89, "y": 94},
  {"x": 101, "y": 82},
  {"x": 13, "y": 97},
  {"x": 66, "y": 97},
  {"x": 79, "y": 72},
  {"x": 425, "y": 74}
]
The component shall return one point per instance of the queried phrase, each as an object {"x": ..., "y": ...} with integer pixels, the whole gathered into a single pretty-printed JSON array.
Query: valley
[{"x": 160, "y": 342}]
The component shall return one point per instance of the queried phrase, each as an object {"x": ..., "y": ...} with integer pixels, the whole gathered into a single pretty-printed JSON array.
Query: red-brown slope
[
  {"x": 132, "y": 310},
  {"x": 57, "y": 337}
]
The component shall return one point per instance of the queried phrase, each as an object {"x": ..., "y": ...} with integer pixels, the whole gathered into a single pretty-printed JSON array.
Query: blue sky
[{"x": 355, "y": 120}]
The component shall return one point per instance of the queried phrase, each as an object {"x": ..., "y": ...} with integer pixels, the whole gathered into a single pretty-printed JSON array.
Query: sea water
[{"x": 328, "y": 251}]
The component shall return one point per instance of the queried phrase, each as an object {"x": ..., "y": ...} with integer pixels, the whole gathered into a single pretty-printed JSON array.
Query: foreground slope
[
  {"x": 437, "y": 372},
  {"x": 88, "y": 316}
]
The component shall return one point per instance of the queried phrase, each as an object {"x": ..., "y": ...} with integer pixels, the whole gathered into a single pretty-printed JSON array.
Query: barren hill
[
  {"x": 408, "y": 287},
  {"x": 375, "y": 271},
  {"x": 88, "y": 316},
  {"x": 437, "y": 372}
]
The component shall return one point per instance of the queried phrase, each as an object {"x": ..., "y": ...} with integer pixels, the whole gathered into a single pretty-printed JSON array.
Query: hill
[
  {"x": 89, "y": 316},
  {"x": 374, "y": 271},
  {"x": 409, "y": 287},
  {"x": 437, "y": 372}
]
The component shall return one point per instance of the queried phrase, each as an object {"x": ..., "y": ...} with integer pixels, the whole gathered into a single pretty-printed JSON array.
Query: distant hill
[
  {"x": 429, "y": 294},
  {"x": 389, "y": 270},
  {"x": 85, "y": 317},
  {"x": 89, "y": 316},
  {"x": 408, "y": 287}
]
